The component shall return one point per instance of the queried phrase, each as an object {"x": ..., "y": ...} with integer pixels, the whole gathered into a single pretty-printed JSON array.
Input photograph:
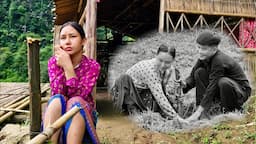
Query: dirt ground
[{"x": 115, "y": 128}]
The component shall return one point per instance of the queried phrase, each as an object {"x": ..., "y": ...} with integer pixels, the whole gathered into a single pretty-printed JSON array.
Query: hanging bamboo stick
[{"x": 49, "y": 131}]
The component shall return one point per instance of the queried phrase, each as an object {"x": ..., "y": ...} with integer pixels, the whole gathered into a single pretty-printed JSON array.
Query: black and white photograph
[{"x": 128, "y": 71}]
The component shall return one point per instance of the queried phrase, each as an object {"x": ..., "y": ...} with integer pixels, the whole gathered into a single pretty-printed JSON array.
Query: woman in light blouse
[
  {"x": 72, "y": 78},
  {"x": 143, "y": 86}
]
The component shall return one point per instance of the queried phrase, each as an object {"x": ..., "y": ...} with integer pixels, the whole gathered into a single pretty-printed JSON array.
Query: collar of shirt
[{"x": 209, "y": 60}]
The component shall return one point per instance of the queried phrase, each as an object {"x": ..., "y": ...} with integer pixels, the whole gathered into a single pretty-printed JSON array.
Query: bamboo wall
[{"x": 242, "y": 8}]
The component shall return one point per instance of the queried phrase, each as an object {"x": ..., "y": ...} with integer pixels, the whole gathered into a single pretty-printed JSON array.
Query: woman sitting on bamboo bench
[{"x": 72, "y": 78}]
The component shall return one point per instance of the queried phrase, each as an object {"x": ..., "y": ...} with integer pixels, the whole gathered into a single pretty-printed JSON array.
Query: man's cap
[{"x": 208, "y": 38}]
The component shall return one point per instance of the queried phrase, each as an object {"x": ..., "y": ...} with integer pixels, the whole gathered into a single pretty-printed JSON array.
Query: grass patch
[{"x": 235, "y": 132}]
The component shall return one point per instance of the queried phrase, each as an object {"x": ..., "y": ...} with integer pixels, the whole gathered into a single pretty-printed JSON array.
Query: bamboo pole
[
  {"x": 34, "y": 85},
  {"x": 18, "y": 101},
  {"x": 181, "y": 22},
  {"x": 161, "y": 16},
  {"x": 50, "y": 130},
  {"x": 7, "y": 115},
  {"x": 18, "y": 106},
  {"x": 15, "y": 101},
  {"x": 15, "y": 105},
  {"x": 186, "y": 20},
  {"x": 167, "y": 22},
  {"x": 14, "y": 110}
]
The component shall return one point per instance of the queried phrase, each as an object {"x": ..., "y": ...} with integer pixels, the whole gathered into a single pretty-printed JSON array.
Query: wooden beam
[
  {"x": 205, "y": 22},
  {"x": 90, "y": 28},
  {"x": 90, "y": 32},
  {"x": 197, "y": 21},
  {"x": 161, "y": 16},
  {"x": 181, "y": 22},
  {"x": 178, "y": 23},
  {"x": 234, "y": 37},
  {"x": 34, "y": 83},
  {"x": 167, "y": 22},
  {"x": 80, "y": 6},
  {"x": 186, "y": 20}
]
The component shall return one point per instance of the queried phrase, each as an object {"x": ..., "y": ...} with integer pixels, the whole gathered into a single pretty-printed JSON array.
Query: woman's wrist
[{"x": 69, "y": 71}]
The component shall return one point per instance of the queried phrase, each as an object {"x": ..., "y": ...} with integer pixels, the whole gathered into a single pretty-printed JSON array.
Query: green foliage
[
  {"x": 21, "y": 19},
  {"x": 104, "y": 33}
]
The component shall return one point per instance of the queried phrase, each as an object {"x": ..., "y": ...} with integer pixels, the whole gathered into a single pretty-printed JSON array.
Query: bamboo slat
[
  {"x": 15, "y": 105},
  {"x": 14, "y": 110},
  {"x": 18, "y": 98},
  {"x": 7, "y": 115},
  {"x": 244, "y": 8}
]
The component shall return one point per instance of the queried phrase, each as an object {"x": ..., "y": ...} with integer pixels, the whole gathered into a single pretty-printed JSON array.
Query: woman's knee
[{"x": 57, "y": 103}]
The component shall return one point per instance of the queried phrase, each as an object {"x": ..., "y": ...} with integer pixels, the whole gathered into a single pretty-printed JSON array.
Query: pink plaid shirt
[{"x": 87, "y": 73}]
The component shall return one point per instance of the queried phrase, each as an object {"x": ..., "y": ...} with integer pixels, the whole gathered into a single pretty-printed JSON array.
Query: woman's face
[
  {"x": 71, "y": 41},
  {"x": 164, "y": 61}
]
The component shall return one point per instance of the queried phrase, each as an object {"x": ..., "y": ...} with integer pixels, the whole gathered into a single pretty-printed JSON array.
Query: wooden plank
[{"x": 34, "y": 86}]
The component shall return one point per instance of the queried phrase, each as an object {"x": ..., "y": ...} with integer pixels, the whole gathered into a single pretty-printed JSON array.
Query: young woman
[{"x": 72, "y": 78}]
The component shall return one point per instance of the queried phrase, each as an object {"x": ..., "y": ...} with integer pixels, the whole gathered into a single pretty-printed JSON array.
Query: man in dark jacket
[{"x": 216, "y": 76}]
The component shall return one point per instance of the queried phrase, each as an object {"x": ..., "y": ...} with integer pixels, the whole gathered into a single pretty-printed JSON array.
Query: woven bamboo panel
[
  {"x": 250, "y": 64},
  {"x": 242, "y": 8}
]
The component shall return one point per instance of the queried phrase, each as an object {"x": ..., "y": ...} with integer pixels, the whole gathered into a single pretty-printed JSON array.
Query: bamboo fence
[{"x": 242, "y": 8}]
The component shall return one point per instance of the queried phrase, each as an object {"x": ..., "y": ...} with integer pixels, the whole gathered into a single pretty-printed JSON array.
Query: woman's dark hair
[
  {"x": 76, "y": 26},
  {"x": 170, "y": 50}
]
